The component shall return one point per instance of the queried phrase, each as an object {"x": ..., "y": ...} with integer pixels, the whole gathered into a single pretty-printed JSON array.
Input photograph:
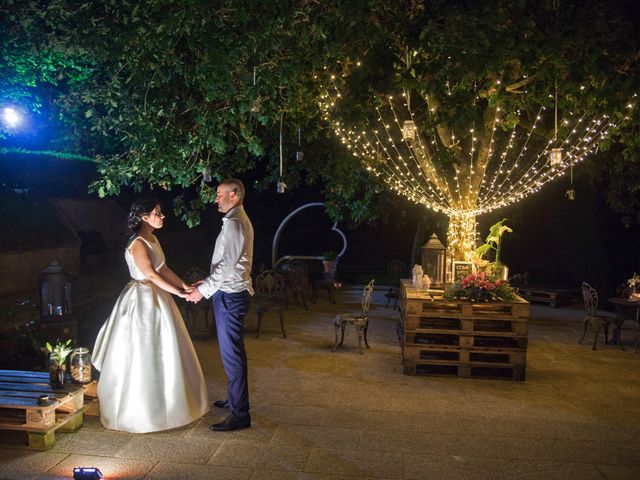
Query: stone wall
[{"x": 20, "y": 271}]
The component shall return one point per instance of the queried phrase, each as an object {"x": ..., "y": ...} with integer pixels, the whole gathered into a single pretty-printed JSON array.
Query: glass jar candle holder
[{"x": 80, "y": 365}]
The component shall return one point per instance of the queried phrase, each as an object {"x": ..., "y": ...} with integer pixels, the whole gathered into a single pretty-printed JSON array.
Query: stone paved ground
[{"x": 322, "y": 415}]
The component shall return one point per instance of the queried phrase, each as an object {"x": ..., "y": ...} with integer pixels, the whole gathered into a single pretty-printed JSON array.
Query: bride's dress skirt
[{"x": 150, "y": 376}]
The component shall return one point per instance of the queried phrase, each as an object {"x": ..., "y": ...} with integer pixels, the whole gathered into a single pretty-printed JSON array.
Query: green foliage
[
  {"x": 329, "y": 255},
  {"x": 59, "y": 352},
  {"x": 162, "y": 92}
]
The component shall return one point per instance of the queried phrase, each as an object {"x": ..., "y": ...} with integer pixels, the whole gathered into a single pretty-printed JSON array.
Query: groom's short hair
[{"x": 236, "y": 186}]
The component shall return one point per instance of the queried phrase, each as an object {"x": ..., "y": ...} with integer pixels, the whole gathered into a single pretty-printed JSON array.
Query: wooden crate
[
  {"x": 476, "y": 340},
  {"x": 20, "y": 410}
]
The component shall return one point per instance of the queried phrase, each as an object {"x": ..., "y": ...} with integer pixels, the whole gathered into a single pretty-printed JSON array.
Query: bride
[{"x": 150, "y": 376}]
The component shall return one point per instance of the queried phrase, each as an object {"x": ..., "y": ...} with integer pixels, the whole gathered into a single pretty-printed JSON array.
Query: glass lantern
[
  {"x": 434, "y": 255},
  {"x": 55, "y": 292}
]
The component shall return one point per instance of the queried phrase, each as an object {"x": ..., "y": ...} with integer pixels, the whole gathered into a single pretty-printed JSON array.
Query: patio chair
[
  {"x": 395, "y": 269},
  {"x": 191, "y": 310},
  {"x": 624, "y": 313},
  {"x": 327, "y": 281},
  {"x": 593, "y": 319},
  {"x": 296, "y": 281},
  {"x": 359, "y": 320},
  {"x": 270, "y": 295}
]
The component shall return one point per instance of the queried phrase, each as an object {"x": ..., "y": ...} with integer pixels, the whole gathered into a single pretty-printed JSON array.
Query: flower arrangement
[
  {"x": 634, "y": 281},
  {"x": 480, "y": 287}
]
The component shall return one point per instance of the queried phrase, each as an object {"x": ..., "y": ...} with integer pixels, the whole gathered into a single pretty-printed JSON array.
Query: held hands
[{"x": 194, "y": 294}]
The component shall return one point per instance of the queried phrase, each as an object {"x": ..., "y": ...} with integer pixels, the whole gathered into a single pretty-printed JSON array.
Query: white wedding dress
[{"x": 150, "y": 376}]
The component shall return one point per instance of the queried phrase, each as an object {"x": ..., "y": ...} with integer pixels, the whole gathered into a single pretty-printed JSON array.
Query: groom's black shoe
[
  {"x": 231, "y": 423},
  {"x": 221, "y": 403}
]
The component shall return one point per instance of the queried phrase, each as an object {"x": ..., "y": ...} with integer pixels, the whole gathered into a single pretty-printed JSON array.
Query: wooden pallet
[
  {"x": 20, "y": 410},
  {"x": 464, "y": 339},
  {"x": 552, "y": 297},
  {"x": 494, "y": 372}
]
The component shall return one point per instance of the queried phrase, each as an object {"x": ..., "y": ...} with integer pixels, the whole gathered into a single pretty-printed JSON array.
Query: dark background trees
[{"x": 166, "y": 94}]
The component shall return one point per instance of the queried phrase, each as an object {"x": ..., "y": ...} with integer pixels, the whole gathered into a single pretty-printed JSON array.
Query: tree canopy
[{"x": 168, "y": 94}]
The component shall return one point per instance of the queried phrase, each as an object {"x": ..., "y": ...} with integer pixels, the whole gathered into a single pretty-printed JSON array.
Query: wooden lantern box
[{"x": 460, "y": 338}]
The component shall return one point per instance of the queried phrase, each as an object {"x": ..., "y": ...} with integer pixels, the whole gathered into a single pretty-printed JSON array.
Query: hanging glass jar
[{"x": 80, "y": 365}]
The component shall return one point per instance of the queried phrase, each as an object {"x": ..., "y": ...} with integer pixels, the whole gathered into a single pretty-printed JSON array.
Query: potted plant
[
  {"x": 58, "y": 354},
  {"x": 329, "y": 259},
  {"x": 493, "y": 242}
]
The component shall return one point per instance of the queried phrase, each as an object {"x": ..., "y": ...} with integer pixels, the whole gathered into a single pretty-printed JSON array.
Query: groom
[{"x": 230, "y": 286}]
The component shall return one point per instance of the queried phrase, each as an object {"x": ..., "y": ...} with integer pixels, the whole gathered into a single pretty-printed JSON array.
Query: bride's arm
[
  {"x": 144, "y": 263},
  {"x": 172, "y": 278}
]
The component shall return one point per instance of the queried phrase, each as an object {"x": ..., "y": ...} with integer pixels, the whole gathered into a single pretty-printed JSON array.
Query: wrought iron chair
[
  {"x": 327, "y": 281},
  {"x": 190, "y": 276},
  {"x": 395, "y": 269},
  {"x": 593, "y": 319},
  {"x": 360, "y": 320},
  {"x": 623, "y": 314},
  {"x": 270, "y": 293},
  {"x": 296, "y": 281}
]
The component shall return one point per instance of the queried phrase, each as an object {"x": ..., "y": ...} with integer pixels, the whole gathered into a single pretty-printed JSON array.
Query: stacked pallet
[
  {"x": 29, "y": 404},
  {"x": 477, "y": 340}
]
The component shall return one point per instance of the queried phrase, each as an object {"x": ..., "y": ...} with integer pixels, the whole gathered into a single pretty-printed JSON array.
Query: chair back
[
  {"x": 590, "y": 297},
  {"x": 623, "y": 290},
  {"x": 296, "y": 275},
  {"x": 396, "y": 269},
  {"x": 270, "y": 286},
  {"x": 193, "y": 274},
  {"x": 366, "y": 296}
]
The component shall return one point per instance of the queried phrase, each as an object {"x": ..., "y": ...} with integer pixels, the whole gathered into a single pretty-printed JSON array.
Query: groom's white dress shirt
[{"x": 232, "y": 256}]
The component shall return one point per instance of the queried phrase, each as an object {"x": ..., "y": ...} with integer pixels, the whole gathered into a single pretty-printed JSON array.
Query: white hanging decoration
[
  {"x": 409, "y": 130},
  {"x": 555, "y": 157},
  {"x": 281, "y": 186}
]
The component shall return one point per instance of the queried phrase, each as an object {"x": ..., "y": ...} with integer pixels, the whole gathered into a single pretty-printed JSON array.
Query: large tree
[
  {"x": 168, "y": 93},
  {"x": 483, "y": 94}
]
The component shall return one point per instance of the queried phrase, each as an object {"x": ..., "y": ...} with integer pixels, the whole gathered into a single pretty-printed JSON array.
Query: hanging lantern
[
  {"x": 409, "y": 130},
  {"x": 555, "y": 157},
  {"x": 434, "y": 254},
  {"x": 281, "y": 187}
]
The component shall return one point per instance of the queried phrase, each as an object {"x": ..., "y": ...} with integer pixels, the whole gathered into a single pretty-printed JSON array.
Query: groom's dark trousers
[{"x": 229, "y": 310}]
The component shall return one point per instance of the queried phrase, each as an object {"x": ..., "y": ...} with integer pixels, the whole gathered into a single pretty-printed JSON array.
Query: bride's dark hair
[{"x": 139, "y": 208}]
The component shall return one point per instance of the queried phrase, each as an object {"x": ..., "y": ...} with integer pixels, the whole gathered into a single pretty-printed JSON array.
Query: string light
[{"x": 493, "y": 167}]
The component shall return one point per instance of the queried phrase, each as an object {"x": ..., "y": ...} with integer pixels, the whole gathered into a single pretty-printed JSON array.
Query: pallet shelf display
[
  {"x": 24, "y": 408},
  {"x": 464, "y": 339}
]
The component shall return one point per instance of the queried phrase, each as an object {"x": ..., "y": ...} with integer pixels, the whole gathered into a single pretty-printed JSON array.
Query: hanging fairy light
[{"x": 494, "y": 167}]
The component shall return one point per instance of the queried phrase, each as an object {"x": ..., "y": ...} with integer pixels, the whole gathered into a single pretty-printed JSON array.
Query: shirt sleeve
[{"x": 225, "y": 267}]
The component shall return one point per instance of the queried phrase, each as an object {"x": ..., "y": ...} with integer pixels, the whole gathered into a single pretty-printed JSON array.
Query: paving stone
[
  {"x": 434, "y": 467},
  {"x": 92, "y": 442},
  {"x": 326, "y": 437},
  {"x": 171, "y": 471},
  {"x": 357, "y": 463},
  {"x": 27, "y": 464},
  {"x": 234, "y": 453},
  {"x": 156, "y": 449},
  {"x": 545, "y": 470}
]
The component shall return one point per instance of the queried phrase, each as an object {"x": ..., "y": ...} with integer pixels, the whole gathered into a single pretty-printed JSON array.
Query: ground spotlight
[
  {"x": 11, "y": 117},
  {"x": 86, "y": 473}
]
